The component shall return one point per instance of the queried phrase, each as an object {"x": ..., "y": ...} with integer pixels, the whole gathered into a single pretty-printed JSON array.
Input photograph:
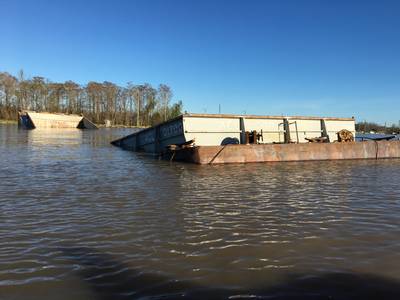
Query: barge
[
  {"x": 216, "y": 138},
  {"x": 32, "y": 120}
]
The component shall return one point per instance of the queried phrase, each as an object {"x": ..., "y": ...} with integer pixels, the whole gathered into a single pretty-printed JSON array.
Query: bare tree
[
  {"x": 165, "y": 94},
  {"x": 8, "y": 85},
  {"x": 150, "y": 103},
  {"x": 72, "y": 91},
  {"x": 138, "y": 94},
  {"x": 110, "y": 94}
]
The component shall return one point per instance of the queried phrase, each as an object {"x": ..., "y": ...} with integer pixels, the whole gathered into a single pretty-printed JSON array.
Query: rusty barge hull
[
  {"x": 286, "y": 152},
  {"x": 221, "y": 139}
]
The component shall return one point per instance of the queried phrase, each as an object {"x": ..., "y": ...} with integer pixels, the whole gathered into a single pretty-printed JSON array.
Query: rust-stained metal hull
[
  {"x": 286, "y": 152},
  {"x": 219, "y": 139}
]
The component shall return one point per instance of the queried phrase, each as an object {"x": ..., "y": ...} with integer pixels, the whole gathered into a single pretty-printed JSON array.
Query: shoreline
[
  {"x": 121, "y": 126},
  {"x": 8, "y": 122}
]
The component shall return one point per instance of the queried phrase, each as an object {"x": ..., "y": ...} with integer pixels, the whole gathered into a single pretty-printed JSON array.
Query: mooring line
[
  {"x": 172, "y": 156},
  {"x": 216, "y": 155},
  {"x": 376, "y": 149}
]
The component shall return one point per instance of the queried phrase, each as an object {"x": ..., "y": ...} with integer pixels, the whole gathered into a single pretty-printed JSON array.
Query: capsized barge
[
  {"x": 216, "y": 138},
  {"x": 31, "y": 120}
]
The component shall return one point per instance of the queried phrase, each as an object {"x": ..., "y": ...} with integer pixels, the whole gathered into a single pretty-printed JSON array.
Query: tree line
[
  {"x": 131, "y": 105},
  {"x": 371, "y": 126}
]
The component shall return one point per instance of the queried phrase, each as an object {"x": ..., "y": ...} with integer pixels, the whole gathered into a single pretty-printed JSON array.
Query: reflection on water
[{"x": 82, "y": 219}]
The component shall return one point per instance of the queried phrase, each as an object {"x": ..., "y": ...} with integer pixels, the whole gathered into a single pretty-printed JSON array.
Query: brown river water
[{"x": 81, "y": 219}]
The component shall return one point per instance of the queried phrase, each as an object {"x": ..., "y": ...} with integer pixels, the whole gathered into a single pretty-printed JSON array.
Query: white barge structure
[
  {"x": 216, "y": 138},
  {"x": 32, "y": 120}
]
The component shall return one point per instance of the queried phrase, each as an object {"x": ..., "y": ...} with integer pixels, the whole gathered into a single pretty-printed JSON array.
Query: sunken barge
[
  {"x": 217, "y": 139},
  {"x": 32, "y": 120}
]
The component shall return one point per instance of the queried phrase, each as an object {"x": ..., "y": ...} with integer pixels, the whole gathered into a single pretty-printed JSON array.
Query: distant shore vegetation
[
  {"x": 377, "y": 128},
  {"x": 131, "y": 105}
]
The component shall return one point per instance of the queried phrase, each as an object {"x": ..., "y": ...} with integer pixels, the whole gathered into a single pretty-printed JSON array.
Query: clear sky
[{"x": 299, "y": 57}]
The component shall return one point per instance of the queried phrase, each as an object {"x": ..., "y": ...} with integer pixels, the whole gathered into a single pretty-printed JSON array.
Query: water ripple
[{"x": 78, "y": 213}]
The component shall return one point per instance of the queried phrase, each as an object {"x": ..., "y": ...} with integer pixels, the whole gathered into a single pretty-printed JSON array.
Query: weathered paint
[
  {"x": 287, "y": 152},
  {"x": 154, "y": 139},
  {"x": 30, "y": 120},
  {"x": 216, "y": 130}
]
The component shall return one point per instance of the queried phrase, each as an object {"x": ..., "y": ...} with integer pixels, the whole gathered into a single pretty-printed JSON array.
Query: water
[{"x": 81, "y": 219}]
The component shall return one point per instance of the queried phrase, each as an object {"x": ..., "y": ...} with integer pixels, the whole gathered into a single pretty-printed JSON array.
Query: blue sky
[{"x": 331, "y": 58}]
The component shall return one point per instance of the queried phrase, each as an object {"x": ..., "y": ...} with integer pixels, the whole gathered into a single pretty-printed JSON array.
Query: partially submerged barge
[
  {"x": 31, "y": 120},
  {"x": 213, "y": 139}
]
